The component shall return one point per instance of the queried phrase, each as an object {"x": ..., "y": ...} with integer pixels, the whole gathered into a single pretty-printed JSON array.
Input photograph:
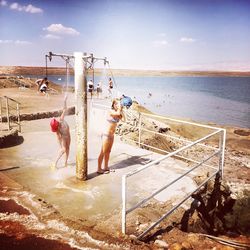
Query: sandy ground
[{"x": 22, "y": 236}]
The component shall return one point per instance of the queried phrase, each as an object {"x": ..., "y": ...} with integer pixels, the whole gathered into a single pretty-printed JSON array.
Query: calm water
[{"x": 221, "y": 100}]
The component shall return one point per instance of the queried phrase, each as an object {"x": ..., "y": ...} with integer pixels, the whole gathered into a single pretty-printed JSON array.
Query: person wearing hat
[{"x": 61, "y": 128}]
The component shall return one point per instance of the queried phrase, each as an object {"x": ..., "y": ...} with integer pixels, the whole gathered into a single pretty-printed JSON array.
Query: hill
[{"x": 23, "y": 70}]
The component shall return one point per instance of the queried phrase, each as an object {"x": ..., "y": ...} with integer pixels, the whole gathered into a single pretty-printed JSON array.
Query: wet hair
[{"x": 116, "y": 100}]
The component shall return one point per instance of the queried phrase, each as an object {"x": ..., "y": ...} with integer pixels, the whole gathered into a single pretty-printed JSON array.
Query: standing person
[
  {"x": 39, "y": 82},
  {"x": 44, "y": 87},
  {"x": 99, "y": 89},
  {"x": 114, "y": 116},
  {"x": 110, "y": 87},
  {"x": 61, "y": 128},
  {"x": 90, "y": 87}
]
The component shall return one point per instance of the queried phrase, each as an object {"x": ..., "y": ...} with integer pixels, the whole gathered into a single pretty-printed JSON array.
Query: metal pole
[
  {"x": 46, "y": 66},
  {"x": 222, "y": 144},
  {"x": 124, "y": 204},
  {"x": 7, "y": 112},
  {"x": 1, "y": 110},
  {"x": 81, "y": 117},
  {"x": 140, "y": 129},
  {"x": 18, "y": 117}
]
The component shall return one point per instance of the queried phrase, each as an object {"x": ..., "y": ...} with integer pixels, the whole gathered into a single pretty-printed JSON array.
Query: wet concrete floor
[{"x": 30, "y": 163}]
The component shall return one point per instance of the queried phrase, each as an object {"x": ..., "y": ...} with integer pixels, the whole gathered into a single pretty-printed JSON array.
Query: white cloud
[
  {"x": 17, "y": 42},
  {"x": 5, "y": 41},
  {"x": 187, "y": 40},
  {"x": 52, "y": 37},
  {"x": 26, "y": 8},
  {"x": 59, "y": 29},
  {"x": 32, "y": 9},
  {"x": 3, "y": 3},
  {"x": 159, "y": 43}
]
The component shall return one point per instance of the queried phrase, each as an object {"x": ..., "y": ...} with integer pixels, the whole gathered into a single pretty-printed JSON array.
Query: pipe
[{"x": 81, "y": 117}]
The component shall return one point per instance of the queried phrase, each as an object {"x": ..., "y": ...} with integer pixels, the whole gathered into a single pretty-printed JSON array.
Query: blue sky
[{"x": 132, "y": 34}]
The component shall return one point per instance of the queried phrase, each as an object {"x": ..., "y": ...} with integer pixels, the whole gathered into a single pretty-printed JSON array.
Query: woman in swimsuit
[
  {"x": 61, "y": 128},
  {"x": 108, "y": 136}
]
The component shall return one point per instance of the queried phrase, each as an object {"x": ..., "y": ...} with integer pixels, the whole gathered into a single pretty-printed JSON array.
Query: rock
[
  {"x": 227, "y": 248},
  {"x": 186, "y": 245},
  {"x": 193, "y": 237},
  {"x": 132, "y": 237},
  {"x": 142, "y": 227},
  {"x": 159, "y": 237},
  {"x": 161, "y": 243},
  {"x": 163, "y": 130},
  {"x": 176, "y": 246}
]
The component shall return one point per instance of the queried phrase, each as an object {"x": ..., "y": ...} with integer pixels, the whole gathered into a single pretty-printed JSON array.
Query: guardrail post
[
  {"x": 7, "y": 112},
  {"x": 222, "y": 144},
  {"x": 124, "y": 204}
]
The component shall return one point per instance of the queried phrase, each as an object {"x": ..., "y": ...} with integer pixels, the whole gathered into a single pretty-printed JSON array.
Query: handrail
[
  {"x": 168, "y": 155},
  {"x": 218, "y": 151},
  {"x": 169, "y": 184},
  {"x": 176, "y": 206},
  {"x": 173, "y": 137},
  {"x": 165, "y": 151},
  {"x": 181, "y": 121},
  {"x": 11, "y": 99},
  {"x": 8, "y": 108}
]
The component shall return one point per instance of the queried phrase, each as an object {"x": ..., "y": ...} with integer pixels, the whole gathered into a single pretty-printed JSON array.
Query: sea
[{"x": 218, "y": 100}]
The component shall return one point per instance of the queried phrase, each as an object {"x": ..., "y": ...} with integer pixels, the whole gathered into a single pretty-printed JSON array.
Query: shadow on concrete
[
  {"x": 131, "y": 160},
  {"x": 93, "y": 175},
  {"x": 11, "y": 142}
]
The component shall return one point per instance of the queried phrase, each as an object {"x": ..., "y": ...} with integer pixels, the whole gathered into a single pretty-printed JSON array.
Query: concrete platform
[{"x": 29, "y": 164}]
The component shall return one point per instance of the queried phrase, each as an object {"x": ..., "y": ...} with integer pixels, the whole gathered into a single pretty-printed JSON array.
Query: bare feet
[{"x": 102, "y": 171}]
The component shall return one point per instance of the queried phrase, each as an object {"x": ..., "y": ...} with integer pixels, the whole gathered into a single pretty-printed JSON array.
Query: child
[{"x": 61, "y": 128}]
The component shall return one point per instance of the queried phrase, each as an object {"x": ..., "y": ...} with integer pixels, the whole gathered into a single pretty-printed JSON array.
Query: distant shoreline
[{"x": 23, "y": 70}]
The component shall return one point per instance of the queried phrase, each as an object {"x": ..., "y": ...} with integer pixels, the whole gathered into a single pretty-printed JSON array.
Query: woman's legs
[
  {"x": 62, "y": 151},
  {"x": 105, "y": 152},
  {"x": 100, "y": 159},
  {"x": 65, "y": 144}
]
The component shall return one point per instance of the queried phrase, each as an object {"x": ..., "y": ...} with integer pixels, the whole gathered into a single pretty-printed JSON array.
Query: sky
[{"x": 132, "y": 34}]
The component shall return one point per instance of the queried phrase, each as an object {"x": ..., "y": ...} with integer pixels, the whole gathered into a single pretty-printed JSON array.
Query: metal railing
[
  {"x": 217, "y": 152},
  {"x": 135, "y": 120},
  {"x": 6, "y": 104}
]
